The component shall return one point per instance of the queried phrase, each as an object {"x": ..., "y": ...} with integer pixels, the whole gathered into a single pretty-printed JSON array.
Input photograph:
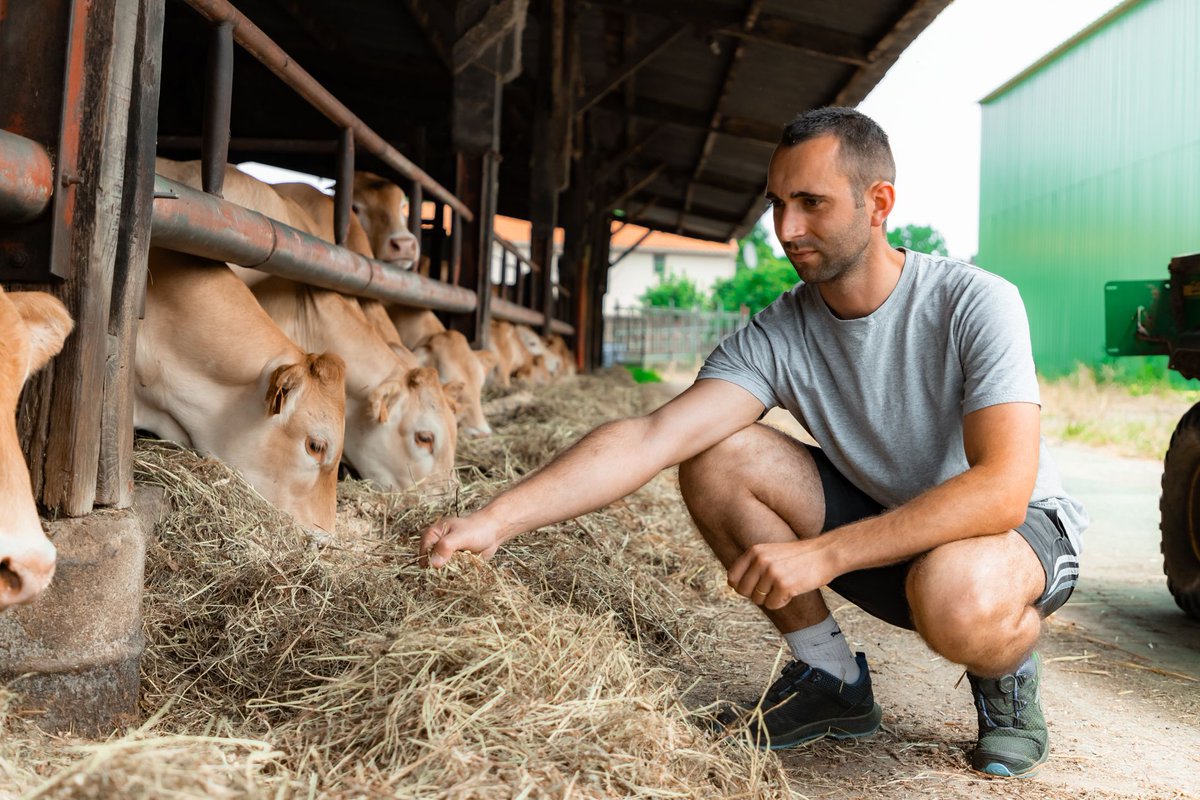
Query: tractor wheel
[{"x": 1180, "y": 509}]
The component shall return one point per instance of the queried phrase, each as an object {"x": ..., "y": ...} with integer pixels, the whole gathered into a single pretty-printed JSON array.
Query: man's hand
[
  {"x": 770, "y": 575},
  {"x": 446, "y": 537}
]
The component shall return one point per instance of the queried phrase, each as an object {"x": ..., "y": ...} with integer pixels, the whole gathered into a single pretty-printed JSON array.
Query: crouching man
[{"x": 931, "y": 503}]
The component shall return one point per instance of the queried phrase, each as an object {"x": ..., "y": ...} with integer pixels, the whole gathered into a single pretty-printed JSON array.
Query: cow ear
[
  {"x": 453, "y": 391},
  {"x": 48, "y": 323},
  {"x": 382, "y": 398},
  {"x": 284, "y": 381},
  {"x": 424, "y": 356},
  {"x": 487, "y": 358}
]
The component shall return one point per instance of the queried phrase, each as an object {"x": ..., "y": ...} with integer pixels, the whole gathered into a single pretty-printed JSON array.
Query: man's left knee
[{"x": 965, "y": 590}]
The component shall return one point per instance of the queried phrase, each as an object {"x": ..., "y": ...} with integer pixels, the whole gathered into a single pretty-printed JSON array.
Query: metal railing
[
  {"x": 661, "y": 335},
  {"x": 516, "y": 300}
]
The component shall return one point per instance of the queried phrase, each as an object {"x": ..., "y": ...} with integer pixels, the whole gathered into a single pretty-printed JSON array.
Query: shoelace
[
  {"x": 994, "y": 713},
  {"x": 784, "y": 689}
]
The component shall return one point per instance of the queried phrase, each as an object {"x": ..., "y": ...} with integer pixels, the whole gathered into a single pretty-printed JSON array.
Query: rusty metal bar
[
  {"x": 218, "y": 105},
  {"x": 26, "y": 178},
  {"x": 455, "y": 249},
  {"x": 201, "y": 224},
  {"x": 511, "y": 312},
  {"x": 343, "y": 194},
  {"x": 272, "y": 56}
]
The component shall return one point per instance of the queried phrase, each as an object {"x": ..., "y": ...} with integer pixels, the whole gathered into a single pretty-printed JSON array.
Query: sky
[{"x": 929, "y": 102}]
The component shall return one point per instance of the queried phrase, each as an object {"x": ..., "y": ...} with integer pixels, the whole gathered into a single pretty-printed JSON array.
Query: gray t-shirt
[{"x": 884, "y": 395}]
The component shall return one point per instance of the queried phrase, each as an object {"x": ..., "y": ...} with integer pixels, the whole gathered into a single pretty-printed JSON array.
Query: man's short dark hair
[{"x": 863, "y": 146}]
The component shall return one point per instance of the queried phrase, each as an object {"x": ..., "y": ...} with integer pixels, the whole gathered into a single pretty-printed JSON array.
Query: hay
[{"x": 277, "y": 666}]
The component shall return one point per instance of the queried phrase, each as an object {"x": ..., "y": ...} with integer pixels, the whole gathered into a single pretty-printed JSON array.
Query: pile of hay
[{"x": 278, "y": 666}]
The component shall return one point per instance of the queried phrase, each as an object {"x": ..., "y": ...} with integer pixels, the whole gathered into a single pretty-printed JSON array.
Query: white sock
[{"x": 823, "y": 646}]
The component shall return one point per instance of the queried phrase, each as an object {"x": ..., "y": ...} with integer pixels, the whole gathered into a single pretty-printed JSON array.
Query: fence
[{"x": 665, "y": 335}]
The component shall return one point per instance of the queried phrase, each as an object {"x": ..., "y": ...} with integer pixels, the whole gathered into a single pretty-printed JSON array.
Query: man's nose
[{"x": 792, "y": 225}]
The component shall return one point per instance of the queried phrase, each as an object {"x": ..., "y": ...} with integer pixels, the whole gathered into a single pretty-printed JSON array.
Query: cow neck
[{"x": 331, "y": 322}]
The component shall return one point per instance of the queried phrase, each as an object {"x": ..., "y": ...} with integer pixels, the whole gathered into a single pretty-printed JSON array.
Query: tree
[
  {"x": 674, "y": 291},
  {"x": 922, "y": 238},
  {"x": 755, "y": 287}
]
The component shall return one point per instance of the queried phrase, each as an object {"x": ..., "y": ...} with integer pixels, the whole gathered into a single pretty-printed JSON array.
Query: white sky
[{"x": 929, "y": 102}]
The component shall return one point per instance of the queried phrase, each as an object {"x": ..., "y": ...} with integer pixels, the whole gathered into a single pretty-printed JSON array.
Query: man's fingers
[{"x": 739, "y": 568}]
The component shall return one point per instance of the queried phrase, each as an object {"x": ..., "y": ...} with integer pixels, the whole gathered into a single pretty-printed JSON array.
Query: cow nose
[
  {"x": 25, "y": 574},
  {"x": 402, "y": 247},
  {"x": 473, "y": 432}
]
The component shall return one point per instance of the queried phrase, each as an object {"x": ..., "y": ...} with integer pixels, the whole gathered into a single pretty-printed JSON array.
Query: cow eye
[
  {"x": 424, "y": 440},
  {"x": 315, "y": 447}
]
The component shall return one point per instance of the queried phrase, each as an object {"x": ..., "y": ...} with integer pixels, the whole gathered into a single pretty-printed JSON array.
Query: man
[{"x": 931, "y": 504}]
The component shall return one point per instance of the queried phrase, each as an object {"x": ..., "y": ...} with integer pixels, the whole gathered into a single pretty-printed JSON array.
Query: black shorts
[{"x": 880, "y": 591}]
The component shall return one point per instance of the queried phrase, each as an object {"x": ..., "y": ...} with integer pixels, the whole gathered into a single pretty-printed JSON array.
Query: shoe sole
[
  {"x": 842, "y": 728},
  {"x": 995, "y": 769}
]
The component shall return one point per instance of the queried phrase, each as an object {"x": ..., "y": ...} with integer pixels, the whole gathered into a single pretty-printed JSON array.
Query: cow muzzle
[{"x": 25, "y": 572}]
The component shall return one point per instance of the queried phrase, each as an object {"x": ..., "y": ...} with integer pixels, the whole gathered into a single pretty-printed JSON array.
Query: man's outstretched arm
[{"x": 612, "y": 461}]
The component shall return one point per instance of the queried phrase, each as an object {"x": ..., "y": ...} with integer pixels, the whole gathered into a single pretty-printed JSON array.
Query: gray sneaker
[{"x": 1013, "y": 741}]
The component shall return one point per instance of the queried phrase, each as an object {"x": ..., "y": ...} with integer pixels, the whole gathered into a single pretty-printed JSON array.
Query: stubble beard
[{"x": 841, "y": 255}]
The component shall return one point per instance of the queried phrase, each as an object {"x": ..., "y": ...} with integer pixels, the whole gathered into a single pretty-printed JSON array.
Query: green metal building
[{"x": 1090, "y": 171}]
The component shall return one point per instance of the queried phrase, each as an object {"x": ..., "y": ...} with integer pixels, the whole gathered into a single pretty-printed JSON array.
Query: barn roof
[{"x": 700, "y": 90}]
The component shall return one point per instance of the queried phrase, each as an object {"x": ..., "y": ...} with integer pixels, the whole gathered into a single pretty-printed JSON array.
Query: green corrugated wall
[{"x": 1090, "y": 171}]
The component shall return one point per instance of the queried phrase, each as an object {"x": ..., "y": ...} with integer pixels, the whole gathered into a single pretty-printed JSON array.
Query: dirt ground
[{"x": 1121, "y": 688}]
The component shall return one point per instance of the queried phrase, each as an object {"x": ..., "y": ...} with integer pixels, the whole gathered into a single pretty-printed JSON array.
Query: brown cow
[
  {"x": 382, "y": 208},
  {"x": 33, "y": 326},
  {"x": 214, "y": 372}
]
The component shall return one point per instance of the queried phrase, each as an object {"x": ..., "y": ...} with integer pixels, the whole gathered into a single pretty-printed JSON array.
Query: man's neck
[{"x": 864, "y": 289}]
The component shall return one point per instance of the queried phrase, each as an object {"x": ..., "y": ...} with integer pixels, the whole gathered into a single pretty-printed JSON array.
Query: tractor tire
[{"x": 1180, "y": 509}]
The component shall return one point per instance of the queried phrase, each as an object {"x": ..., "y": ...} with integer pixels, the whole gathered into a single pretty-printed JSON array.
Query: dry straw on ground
[{"x": 282, "y": 666}]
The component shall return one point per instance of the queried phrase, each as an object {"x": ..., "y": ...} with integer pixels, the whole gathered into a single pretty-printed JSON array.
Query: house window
[{"x": 660, "y": 265}]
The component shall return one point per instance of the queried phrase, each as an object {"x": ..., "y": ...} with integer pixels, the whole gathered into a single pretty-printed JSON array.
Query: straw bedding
[{"x": 279, "y": 665}]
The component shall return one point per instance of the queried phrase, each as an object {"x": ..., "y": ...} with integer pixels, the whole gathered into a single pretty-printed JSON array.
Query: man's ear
[{"x": 881, "y": 199}]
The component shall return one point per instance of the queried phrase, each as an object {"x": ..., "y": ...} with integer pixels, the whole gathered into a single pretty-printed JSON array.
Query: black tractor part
[{"x": 1180, "y": 509}]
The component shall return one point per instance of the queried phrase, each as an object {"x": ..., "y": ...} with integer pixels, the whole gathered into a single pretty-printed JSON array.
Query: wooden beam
[
  {"x": 114, "y": 480},
  {"x": 435, "y": 21},
  {"x": 629, "y": 66},
  {"x": 638, "y": 185},
  {"x": 705, "y": 13},
  {"x": 753, "y": 10},
  {"x": 631, "y": 248},
  {"x": 802, "y": 37},
  {"x": 885, "y": 52},
  {"x": 613, "y": 165},
  {"x": 685, "y": 117},
  {"x": 499, "y": 21}
]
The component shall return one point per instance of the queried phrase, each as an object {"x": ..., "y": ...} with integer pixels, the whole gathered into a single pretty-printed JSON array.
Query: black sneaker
[
  {"x": 805, "y": 704},
  {"x": 1013, "y": 740}
]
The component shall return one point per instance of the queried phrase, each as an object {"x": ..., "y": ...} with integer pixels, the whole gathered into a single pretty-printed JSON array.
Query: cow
[
  {"x": 400, "y": 422},
  {"x": 215, "y": 373},
  {"x": 33, "y": 327},
  {"x": 382, "y": 208},
  {"x": 565, "y": 356},
  {"x": 537, "y": 348},
  {"x": 448, "y": 352}
]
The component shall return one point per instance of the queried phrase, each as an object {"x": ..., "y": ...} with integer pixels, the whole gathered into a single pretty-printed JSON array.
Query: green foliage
[
  {"x": 674, "y": 291},
  {"x": 755, "y": 287},
  {"x": 922, "y": 238},
  {"x": 1143, "y": 375},
  {"x": 643, "y": 375}
]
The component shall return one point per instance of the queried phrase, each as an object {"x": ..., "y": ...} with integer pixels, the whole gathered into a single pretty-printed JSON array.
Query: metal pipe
[
  {"x": 218, "y": 104},
  {"x": 272, "y": 56},
  {"x": 201, "y": 224},
  {"x": 343, "y": 195},
  {"x": 511, "y": 312},
  {"x": 26, "y": 178}
]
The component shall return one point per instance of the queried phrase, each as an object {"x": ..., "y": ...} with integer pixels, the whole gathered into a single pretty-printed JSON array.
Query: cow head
[
  {"x": 566, "y": 359},
  {"x": 534, "y": 371},
  {"x": 382, "y": 208},
  {"x": 409, "y": 436},
  {"x": 296, "y": 467},
  {"x": 449, "y": 353},
  {"x": 33, "y": 326},
  {"x": 537, "y": 346}
]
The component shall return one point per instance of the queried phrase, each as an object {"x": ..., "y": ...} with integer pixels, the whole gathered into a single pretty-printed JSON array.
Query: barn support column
[
  {"x": 550, "y": 162},
  {"x": 476, "y": 141},
  {"x": 574, "y": 266},
  {"x": 72, "y": 656}
]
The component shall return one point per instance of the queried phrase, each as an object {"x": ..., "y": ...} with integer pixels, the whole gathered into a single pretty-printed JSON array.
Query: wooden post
[
  {"x": 61, "y": 409},
  {"x": 551, "y": 144},
  {"x": 114, "y": 482}
]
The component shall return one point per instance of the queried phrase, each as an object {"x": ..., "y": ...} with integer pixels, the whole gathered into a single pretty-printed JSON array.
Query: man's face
[{"x": 822, "y": 223}]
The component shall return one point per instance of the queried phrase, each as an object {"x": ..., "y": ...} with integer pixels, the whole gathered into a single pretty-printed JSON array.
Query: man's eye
[{"x": 811, "y": 202}]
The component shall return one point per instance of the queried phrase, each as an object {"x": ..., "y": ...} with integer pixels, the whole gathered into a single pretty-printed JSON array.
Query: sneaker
[
  {"x": 1013, "y": 741},
  {"x": 805, "y": 704}
]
